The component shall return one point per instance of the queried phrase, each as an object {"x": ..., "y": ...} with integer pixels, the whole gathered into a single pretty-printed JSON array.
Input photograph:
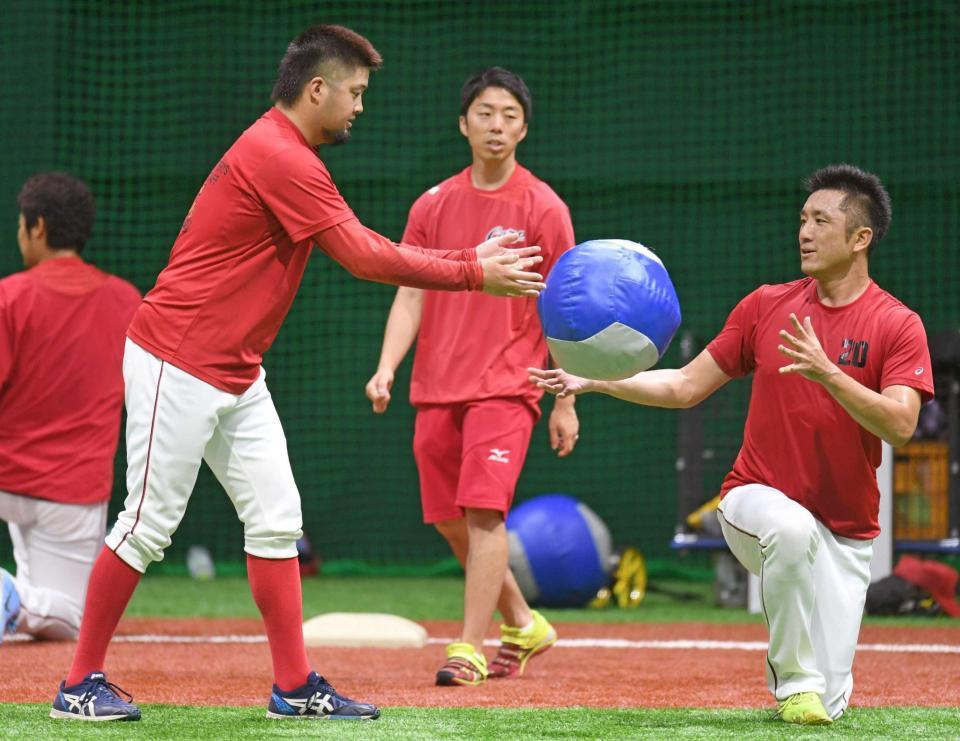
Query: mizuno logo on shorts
[{"x": 500, "y": 456}]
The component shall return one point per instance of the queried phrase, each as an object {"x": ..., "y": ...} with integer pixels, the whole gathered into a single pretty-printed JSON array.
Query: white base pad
[{"x": 363, "y": 629}]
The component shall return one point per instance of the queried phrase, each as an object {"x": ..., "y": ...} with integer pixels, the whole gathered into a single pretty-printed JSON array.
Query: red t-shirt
[
  {"x": 62, "y": 326},
  {"x": 797, "y": 437},
  {"x": 237, "y": 263},
  {"x": 474, "y": 346}
]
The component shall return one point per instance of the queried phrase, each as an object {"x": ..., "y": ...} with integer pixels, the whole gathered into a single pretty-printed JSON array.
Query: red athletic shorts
[{"x": 470, "y": 455}]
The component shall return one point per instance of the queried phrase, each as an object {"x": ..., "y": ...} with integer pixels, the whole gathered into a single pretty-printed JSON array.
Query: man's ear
[
  {"x": 38, "y": 232},
  {"x": 317, "y": 88},
  {"x": 863, "y": 238}
]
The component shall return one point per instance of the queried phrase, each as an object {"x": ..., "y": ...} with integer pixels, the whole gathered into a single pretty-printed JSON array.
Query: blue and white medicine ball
[
  {"x": 609, "y": 309},
  {"x": 559, "y": 550}
]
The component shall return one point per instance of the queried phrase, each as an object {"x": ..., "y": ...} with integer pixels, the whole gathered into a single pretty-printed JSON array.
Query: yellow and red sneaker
[
  {"x": 518, "y": 646},
  {"x": 465, "y": 665}
]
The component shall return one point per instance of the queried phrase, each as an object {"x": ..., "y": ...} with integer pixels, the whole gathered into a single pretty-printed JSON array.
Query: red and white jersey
[
  {"x": 474, "y": 346},
  {"x": 797, "y": 437},
  {"x": 240, "y": 256},
  {"x": 62, "y": 328}
]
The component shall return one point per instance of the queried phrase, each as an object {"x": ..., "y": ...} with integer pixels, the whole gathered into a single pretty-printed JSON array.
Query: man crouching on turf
[{"x": 838, "y": 365}]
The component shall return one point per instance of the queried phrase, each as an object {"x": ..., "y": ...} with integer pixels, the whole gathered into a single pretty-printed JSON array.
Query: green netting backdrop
[{"x": 685, "y": 125}]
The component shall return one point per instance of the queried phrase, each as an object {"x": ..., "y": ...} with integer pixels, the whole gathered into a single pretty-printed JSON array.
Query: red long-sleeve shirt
[{"x": 243, "y": 248}]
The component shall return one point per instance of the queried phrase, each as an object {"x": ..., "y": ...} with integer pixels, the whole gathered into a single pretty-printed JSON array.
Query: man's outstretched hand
[
  {"x": 510, "y": 274},
  {"x": 508, "y": 271},
  {"x": 558, "y": 382}
]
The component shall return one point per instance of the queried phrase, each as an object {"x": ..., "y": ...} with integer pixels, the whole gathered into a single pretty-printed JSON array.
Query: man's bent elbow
[
  {"x": 686, "y": 397},
  {"x": 898, "y": 441},
  {"x": 902, "y": 435}
]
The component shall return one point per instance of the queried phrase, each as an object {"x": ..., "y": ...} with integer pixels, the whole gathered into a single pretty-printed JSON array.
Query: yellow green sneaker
[
  {"x": 804, "y": 709},
  {"x": 465, "y": 665},
  {"x": 518, "y": 646}
]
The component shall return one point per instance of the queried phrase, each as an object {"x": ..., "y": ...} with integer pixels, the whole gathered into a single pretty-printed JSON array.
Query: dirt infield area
[{"x": 226, "y": 662}]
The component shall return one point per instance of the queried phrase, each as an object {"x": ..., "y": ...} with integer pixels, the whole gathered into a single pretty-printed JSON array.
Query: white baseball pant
[
  {"x": 175, "y": 420},
  {"x": 813, "y": 585},
  {"x": 54, "y": 546}
]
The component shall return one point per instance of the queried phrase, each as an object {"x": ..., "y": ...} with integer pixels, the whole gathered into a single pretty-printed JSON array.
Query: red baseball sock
[
  {"x": 111, "y": 586},
  {"x": 275, "y": 584}
]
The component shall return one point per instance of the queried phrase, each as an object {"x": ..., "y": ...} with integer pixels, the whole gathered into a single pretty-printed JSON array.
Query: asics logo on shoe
[
  {"x": 76, "y": 704},
  {"x": 500, "y": 456},
  {"x": 313, "y": 703},
  {"x": 324, "y": 702}
]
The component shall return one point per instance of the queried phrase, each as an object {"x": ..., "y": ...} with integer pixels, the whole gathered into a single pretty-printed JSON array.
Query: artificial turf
[
  {"x": 416, "y": 598},
  {"x": 441, "y": 598},
  {"x": 173, "y": 722},
  {"x": 435, "y": 598}
]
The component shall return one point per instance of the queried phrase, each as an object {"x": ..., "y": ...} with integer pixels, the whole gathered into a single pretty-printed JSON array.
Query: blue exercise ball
[
  {"x": 559, "y": 550},
  {"x": 609, "y": 309}
]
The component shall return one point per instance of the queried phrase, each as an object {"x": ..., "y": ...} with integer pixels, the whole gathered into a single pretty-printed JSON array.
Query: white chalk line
[{"x": 614, "y": 643}]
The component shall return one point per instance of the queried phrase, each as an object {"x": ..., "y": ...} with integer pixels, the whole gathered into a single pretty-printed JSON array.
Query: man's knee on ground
[
  {"x": 47, "y": 613},
  {"x": 57, "y": 631}
]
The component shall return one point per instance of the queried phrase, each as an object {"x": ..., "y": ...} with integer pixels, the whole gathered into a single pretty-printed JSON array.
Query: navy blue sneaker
[
  {"x": 10, "y": 604},
  {"x": 317, "y": 699},
  {"x": 93, "y": 699}
]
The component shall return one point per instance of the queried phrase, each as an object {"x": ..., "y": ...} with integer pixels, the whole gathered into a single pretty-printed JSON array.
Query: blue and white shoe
[
  {"x": 93, "y": 699},
  {"x": 10, "y": 606},
  {"x": 318, "y": 700}
]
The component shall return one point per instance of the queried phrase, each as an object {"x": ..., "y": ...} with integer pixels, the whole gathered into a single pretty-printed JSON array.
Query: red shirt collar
[
  {"x": 281, "y": 118},
  {"x": 517, "y": 178}
]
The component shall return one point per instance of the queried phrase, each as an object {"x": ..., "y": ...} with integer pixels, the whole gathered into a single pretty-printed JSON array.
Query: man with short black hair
[
  {"x": 865, "y": 202},
  {"x": 800, "y": 506},
  {"x": 192, "y": 364},
  {"x": 475, "y": 409},
  {"x": 62, "y": 325}
]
